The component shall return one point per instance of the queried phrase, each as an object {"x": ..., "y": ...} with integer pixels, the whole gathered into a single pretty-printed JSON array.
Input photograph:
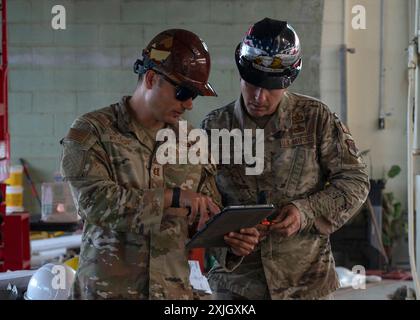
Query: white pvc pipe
[
  {"x": 66, "y": 242},
  {"x": 43, "y": 257}
]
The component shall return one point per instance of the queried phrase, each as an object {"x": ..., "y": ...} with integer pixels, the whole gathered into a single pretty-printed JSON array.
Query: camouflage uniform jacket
[
  {"x": 130, "y": 248},
  {"x": 311, "y": 161}
]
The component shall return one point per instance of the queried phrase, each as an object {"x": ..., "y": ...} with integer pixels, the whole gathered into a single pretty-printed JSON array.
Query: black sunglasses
[{"x": 182, "y": 93}]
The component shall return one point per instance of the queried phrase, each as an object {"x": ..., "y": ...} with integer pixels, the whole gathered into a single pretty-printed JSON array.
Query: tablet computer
[{"x": 232, "y": 218}]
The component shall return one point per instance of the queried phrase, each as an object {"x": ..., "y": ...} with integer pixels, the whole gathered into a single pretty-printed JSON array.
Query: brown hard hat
[{"x": 182, "y": 56}]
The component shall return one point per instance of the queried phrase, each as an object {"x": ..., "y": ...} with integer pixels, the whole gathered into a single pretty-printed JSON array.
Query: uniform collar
[
  {"x": 278, "y": 122},
  {"x": 127, "y": 124},
  {"x": 124, "y": 119}
]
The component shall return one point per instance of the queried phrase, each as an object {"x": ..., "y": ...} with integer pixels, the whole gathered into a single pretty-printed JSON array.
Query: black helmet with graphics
[{"x": 269, "y": 55}]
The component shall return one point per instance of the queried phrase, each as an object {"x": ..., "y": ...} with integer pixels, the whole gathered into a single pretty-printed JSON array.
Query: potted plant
[{"x": 394, "y": 225}]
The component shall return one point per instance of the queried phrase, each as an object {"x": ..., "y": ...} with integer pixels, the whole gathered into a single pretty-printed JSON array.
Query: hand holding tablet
[{"x": 230, "y": 219}]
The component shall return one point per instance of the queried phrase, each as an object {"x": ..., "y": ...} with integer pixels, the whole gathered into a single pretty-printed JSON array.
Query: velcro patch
[
  {"x": 78, "y": 135},
  {"x": 352, "y": 148},
  {"x": 344, "y": 128}
]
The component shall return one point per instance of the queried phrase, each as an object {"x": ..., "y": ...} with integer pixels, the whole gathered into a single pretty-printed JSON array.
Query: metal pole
[
  {"x": 381, "y": 120},
  {"x": 412, "y": 112},
  {"x": 343, "y": 82},
  {"x": 343, "y": 68}
]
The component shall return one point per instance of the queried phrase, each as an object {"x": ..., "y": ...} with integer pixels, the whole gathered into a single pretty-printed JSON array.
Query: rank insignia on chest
[
  {"x": 156, "y": 174},
  {"x": 156, "y": 171},
  {"x": 298, "y": 117},
  {"x": 299, "y": 129}
]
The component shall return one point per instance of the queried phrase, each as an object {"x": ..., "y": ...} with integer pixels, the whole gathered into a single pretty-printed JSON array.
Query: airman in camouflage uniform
[
  {"x": 312, "y": 173},
  {"x": 135, "y": 227}
]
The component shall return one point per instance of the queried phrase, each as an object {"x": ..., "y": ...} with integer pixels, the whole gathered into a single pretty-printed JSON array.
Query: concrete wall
[
  {"x": 388, "y": 146},
  {"x": 56, "y": 75},
  {"x": 332, "y": 39}
]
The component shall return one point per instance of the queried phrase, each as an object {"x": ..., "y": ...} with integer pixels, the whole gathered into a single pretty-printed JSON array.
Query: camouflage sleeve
[
  {"x": 208, "y": 184},
  {"x": 347, "y": 181},
  {"x": 98, "y": 198},
  {"x": 223, "y": 256}
]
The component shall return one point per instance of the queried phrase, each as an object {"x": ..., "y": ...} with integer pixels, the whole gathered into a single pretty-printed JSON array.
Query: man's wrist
[
  {"x": 306, "y": 214},
  {"x": 230, "y": 252},
  {"x": 176, "y": 195}
]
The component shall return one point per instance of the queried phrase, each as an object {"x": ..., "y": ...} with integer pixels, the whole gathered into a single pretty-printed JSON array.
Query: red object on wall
[
  {"x": 17, "y": 251},
  {"x": 198, "y": 255},
  {"x": 2, "y": 214},
  {"x": 4, "y": 133}
]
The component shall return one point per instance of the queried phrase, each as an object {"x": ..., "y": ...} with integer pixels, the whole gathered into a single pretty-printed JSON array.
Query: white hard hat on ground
[{"x": 52, "y": 281}]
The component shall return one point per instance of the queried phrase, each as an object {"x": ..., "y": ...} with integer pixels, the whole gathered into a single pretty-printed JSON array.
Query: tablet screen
[{"x": 232, "y": 218}]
